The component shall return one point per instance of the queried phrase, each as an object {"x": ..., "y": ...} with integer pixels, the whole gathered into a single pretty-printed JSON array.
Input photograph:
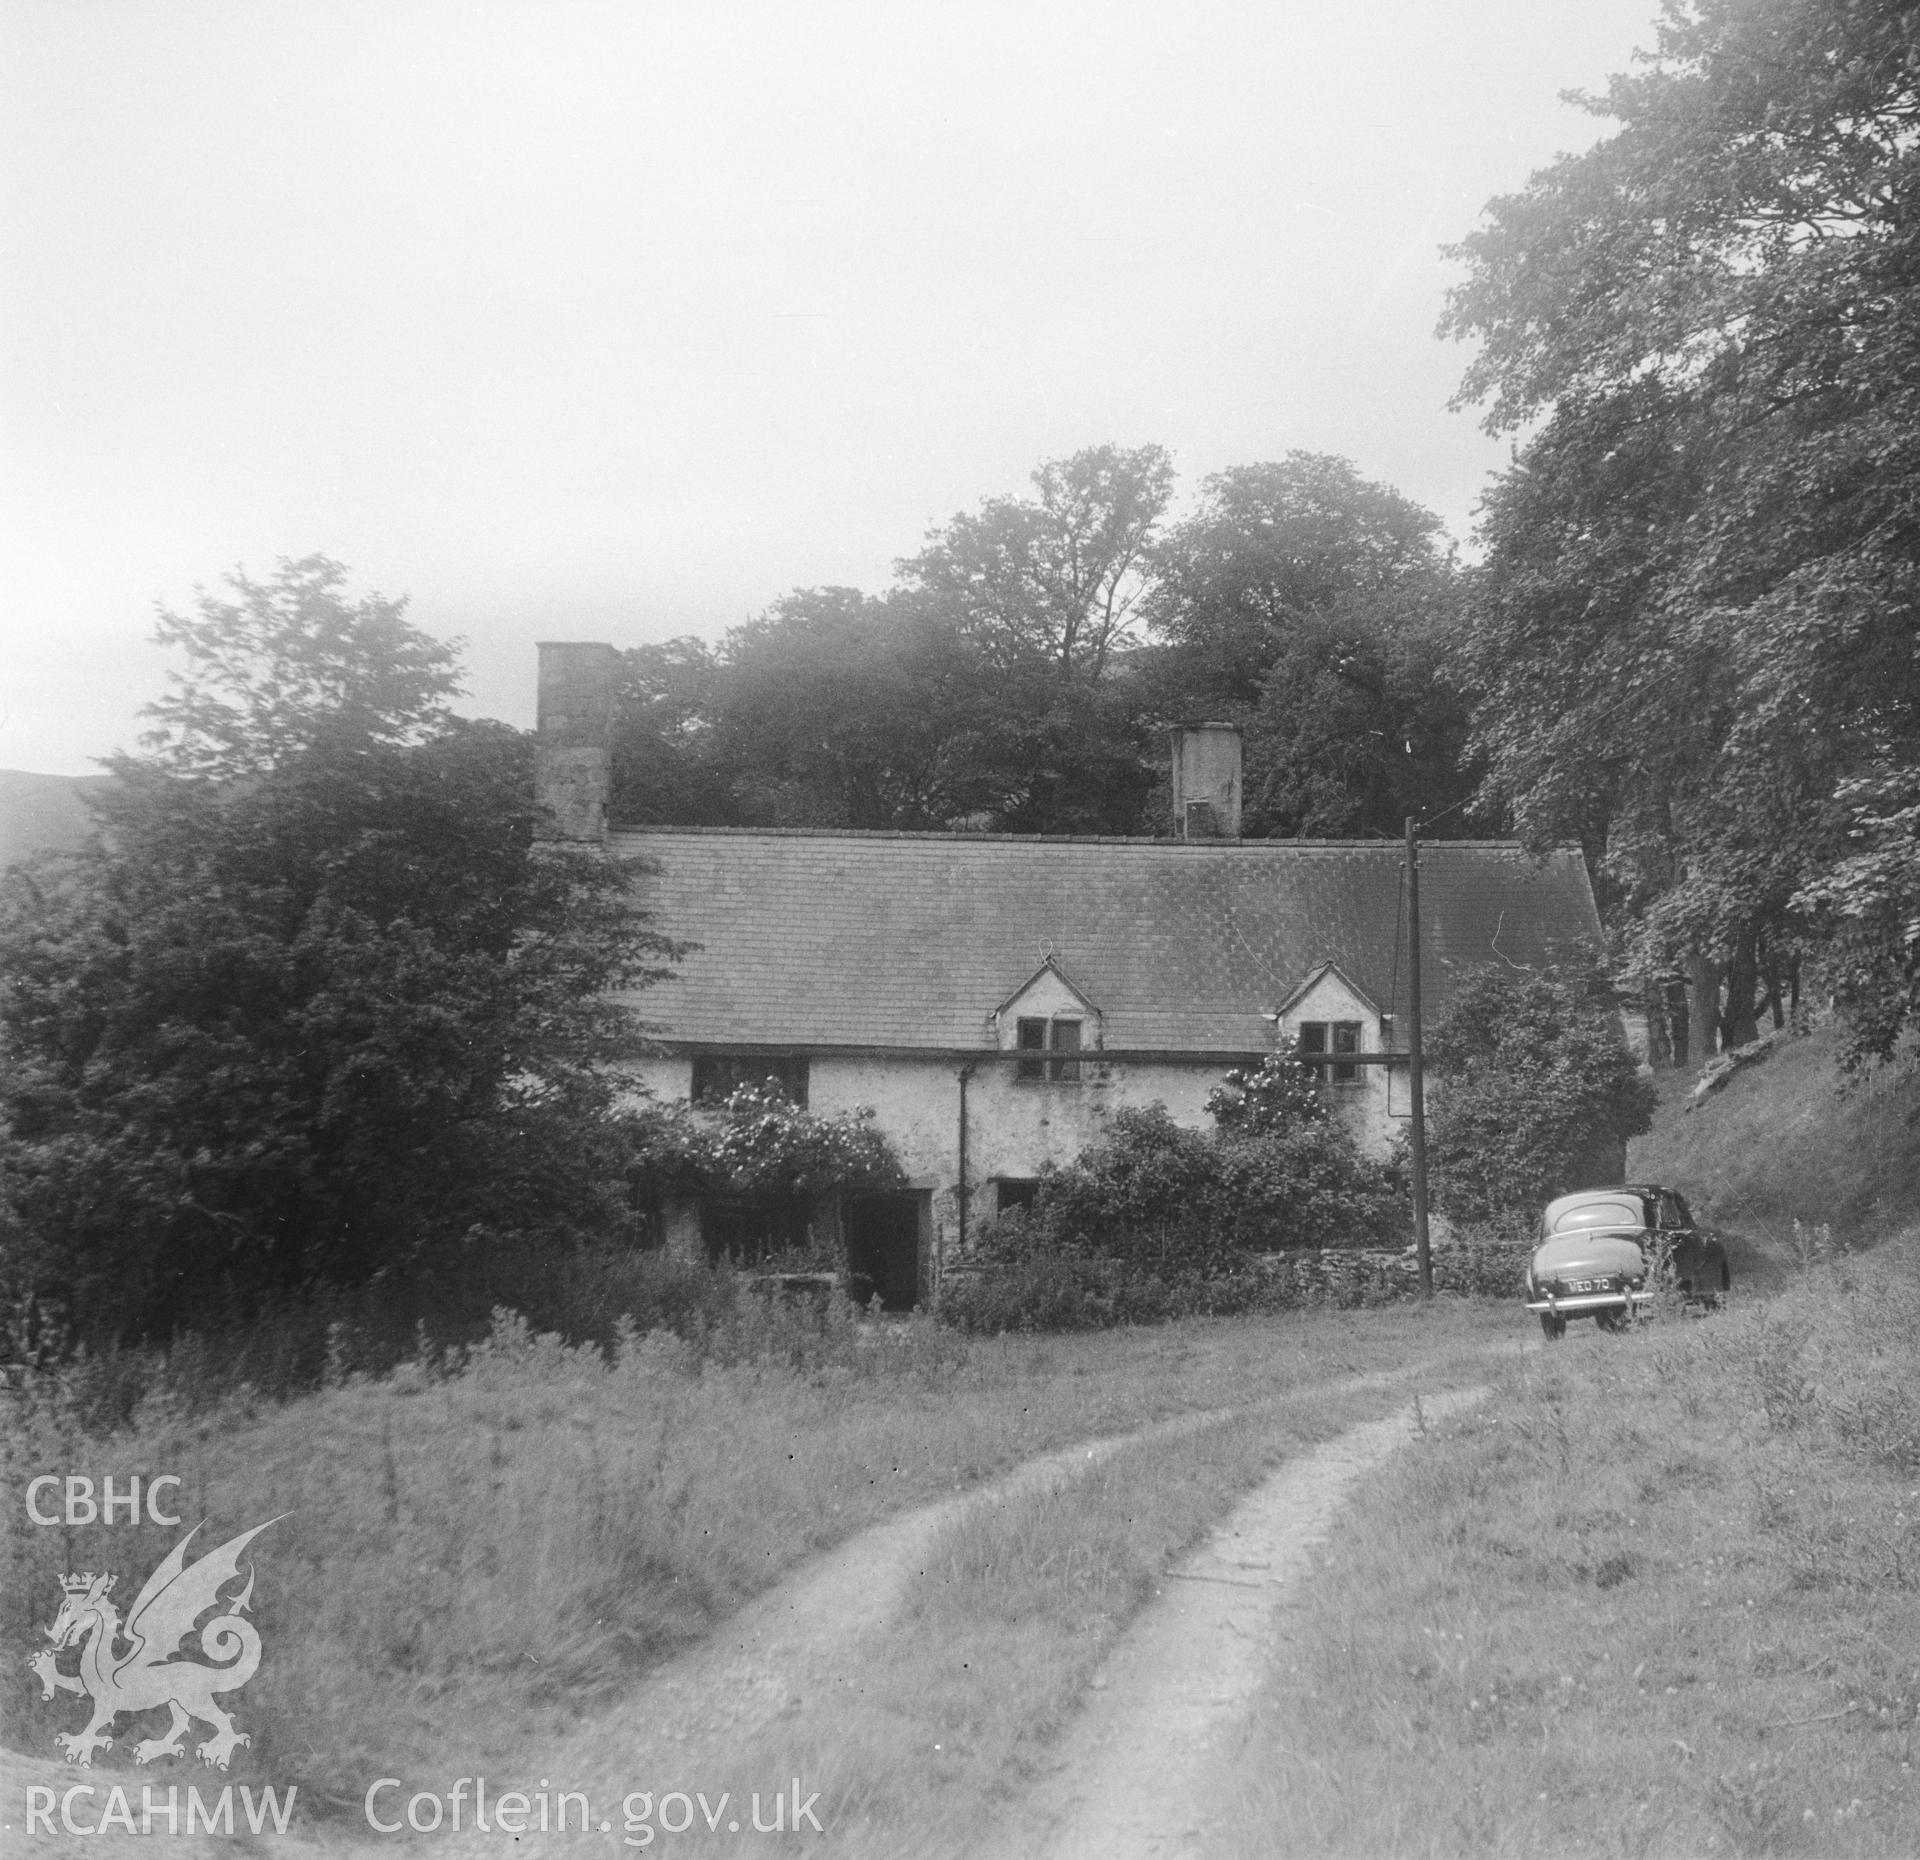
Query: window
[
  {"x": 1012, "y": 1191},
  {"x": 749, "y": 1229},
  {"x": 1331, "y": 1036},
  {"x": 1034, "y": 1037},
  {"x": 1601, "y": 1214},
  {"x": 719, "y": 1075}
]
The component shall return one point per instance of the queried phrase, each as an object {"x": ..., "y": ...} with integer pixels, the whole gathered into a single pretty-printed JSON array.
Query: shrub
[
  {"x": 1048, "y": 1290},
  {"x": 1310, "y": 1187},
  {"x": 1483, "y": 1261},
  {"x": 1186, "y": 1200},
  {"x": 1142, "y": 1194},
  {"x": 1029, "y": 1283},
  {"x": 1280, "y": 1096},
  {"x": 1537, "y": 1092},
  {"x": 1156, "y": 1221}
]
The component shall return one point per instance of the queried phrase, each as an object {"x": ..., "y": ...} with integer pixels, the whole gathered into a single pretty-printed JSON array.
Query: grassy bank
[
  {"x": 478, "y": 1549},
  {"x": 1660, "y": 1597},
  {"x": 1790, "y": 1139}
]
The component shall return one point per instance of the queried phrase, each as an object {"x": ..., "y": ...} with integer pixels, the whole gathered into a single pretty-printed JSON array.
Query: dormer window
[
  {"x": 1048, "y": 1023},
  {"x": 1331, "y": 1037},
  {"x": 1041, "y": 1044}
]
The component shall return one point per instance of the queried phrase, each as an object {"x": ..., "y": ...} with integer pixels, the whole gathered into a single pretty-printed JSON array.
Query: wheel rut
[
  {"x": 1130, "y": 1777},
  {"x": 1140, "y": 1770}
]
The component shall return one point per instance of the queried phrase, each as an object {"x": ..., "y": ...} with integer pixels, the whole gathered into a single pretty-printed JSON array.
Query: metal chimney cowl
[
  {"x": 1206, "y": 781},
  {"x": 573, "y": 738}
]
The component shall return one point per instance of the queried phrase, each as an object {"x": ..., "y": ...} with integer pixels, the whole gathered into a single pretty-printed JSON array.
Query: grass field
[
  {"x": 1660, "y": 1596},
  {"x": 477, "y": 1552},
  {"x": 952, "y": 1710}
]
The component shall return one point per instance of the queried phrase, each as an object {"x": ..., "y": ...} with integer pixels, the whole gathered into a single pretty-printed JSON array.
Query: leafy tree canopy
[
  {"x": 1535, "y": 1091},
  {"x": 288, "y": 661},
  {"x": 1696, "y": 630},
  {"x": 317, "y": 1023},
  {"x": 1317, "y": 610},
  {"x": 839, "y": 709},
  {"x": 1274, "y": 547},
  {"x": 1004, "y": 682},
  {"x": 665, "y": 769},
  {"x": 1360, "y": 722},
  {"x": 1055, "y": 578}
]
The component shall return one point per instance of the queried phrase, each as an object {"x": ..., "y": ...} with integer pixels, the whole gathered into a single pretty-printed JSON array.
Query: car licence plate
[{"x": 1586, "y": 1285}]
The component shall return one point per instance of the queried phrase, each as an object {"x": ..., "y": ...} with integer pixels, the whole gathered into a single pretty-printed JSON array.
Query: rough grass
[
  {"x": 1661, "y": 1596},
  {"x": 952, "y": 1709},
  {"x": 1790, "y": 1139},
  {"x": 479, "y": 1548}
]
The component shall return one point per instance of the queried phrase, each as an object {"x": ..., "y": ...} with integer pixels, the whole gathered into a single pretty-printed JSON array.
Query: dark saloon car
[{"x": 1606, "y": 1252}]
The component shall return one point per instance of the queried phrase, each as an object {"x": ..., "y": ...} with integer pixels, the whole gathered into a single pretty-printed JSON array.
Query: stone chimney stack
[
  {"x": 573, "y": 739},
  {"x": 1206, "y": 781}
]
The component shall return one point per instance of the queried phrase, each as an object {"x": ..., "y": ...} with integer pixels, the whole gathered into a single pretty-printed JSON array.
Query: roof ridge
[{"x": 1069, "y": 839}]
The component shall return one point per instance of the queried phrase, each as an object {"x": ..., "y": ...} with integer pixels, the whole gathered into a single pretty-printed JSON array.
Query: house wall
[
  {"x": 1014, "y": 1127},
  {"x": 1376, "y": 1106}
]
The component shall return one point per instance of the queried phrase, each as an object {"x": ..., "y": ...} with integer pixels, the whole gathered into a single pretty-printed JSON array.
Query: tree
[
  {"x": 988, "y": 690},
  {"x": 1696, "y": 625},
  {"x": 1054, "y": 579},
  {"x": 317, "y": 1023},
  {"x": 1274, "y": 546},
  {"x": 1002, "y": 684},
  {"x": 1358, "y": 725},
  {"x": 1316, "y": 610},
  {"x": 1535, "y": 1091},
  {"x": 837, "y": 709},
  {"x": 667, "y": 768},
  {"x": 1869, "y": 905},
  {"x": 288, "y": 662}
]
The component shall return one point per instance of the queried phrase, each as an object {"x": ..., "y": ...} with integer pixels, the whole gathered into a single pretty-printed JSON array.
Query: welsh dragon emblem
[{"x": 147, "y": 1673}]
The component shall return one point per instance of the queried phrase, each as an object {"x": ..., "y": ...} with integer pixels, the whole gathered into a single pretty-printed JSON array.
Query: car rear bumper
[{"x": 1576, "y": 1304}]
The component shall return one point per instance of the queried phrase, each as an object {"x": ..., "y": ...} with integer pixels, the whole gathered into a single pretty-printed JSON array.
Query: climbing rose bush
[
  {"x": 758, "y": 1142},
  {"x": 765, "y": 1144},
  {"x": 1279, "y": 1097}
]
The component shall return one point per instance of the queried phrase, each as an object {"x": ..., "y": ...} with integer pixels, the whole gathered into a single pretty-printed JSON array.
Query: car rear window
[{"x": 1600, "y": 1214}]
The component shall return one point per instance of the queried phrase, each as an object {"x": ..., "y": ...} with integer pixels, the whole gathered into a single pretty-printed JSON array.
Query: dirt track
[
  {"x": 1132, "y": 1776},
  {"x": 1137, "y": 1774}
]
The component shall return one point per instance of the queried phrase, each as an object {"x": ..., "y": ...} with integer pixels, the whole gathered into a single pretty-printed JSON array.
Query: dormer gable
[
  {"x": 1046, "y": 995},
  {"x": 1325, "y": 988},
  {"x": 1330, "y": 1014}
]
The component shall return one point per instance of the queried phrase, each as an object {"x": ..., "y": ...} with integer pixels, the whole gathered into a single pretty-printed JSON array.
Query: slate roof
[{"x": 817, "y": 940}]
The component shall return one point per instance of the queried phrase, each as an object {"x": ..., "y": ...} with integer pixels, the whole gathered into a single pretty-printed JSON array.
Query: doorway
[{"x": 885, "y": 1235}]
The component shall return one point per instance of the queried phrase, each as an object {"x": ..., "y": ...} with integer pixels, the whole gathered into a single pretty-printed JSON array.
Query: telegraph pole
[{"x": 1416, "y": 1083}]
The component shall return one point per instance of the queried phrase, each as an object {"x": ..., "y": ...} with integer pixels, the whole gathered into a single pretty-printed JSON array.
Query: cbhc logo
[{"x": 83, "y": 1508}]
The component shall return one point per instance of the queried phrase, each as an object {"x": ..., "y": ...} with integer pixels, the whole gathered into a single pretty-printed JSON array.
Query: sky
[{"x": 572, "y": 320}]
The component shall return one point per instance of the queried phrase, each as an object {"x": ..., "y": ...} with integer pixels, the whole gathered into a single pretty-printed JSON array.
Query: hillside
[
  {"x": 1790, "y": 1140},
  {"x": 41, "y": 811}
]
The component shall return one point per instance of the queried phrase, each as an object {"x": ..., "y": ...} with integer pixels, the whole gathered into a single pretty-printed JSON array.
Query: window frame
[
  {"x": 1044, "y": 1056},
  {"x": 789, "y": 1071},
  {"x": 1014, "y": 1191},
  {"x": 1326, "y": 1040}
]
